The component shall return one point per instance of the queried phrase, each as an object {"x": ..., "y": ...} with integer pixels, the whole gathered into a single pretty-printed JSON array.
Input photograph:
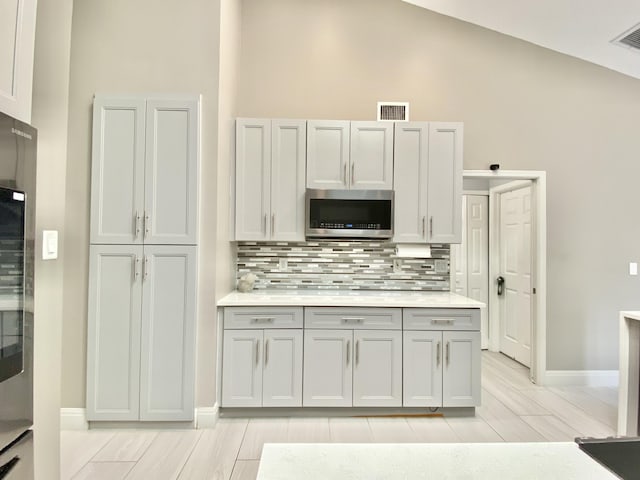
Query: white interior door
[{"x": 515, "y": 226}]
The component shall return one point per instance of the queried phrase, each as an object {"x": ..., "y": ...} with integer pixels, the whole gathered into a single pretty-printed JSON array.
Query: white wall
[
  {"x": 50, "y": 109},
  {"x": 122, "y": 46},
  {"x": 524, "y": 107}
]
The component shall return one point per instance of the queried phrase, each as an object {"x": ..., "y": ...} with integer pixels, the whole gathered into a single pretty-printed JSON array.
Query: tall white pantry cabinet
[{"x": 143, "y": 258}]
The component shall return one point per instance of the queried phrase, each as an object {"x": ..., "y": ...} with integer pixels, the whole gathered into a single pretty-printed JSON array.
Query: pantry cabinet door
[
  {"x": 328, "y": 154},
  {"x": 117, "y": 170},
  {"x": 253, "y": 187},
  {"x": 371, "y": 155},
  {"x": 282, "y": 373},
  {"x": 444, "y": 202},
  {"x": 242, "y": 368},
  {"x": 422, "y": 369},
  {"x": 328, "y": 367},
  {"x": 167, "y": 366},
  {"x": 377, "y": 368},
  {"x": 287, "y": 174},
  {"x": 410, "y": 178},
  {"x": 113, "y": 332},
  {"x": 171, "y": 171}
]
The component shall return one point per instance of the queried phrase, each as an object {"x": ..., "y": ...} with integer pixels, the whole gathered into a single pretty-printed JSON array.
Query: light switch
[
  {"x": 49, "y": 244},
  {"x": 633, "y": 268}
]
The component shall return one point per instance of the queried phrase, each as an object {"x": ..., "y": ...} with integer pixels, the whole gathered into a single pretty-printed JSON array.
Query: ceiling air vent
[
  {"x": 393, "y": 111},
  {"x": 630, "y": 38}
]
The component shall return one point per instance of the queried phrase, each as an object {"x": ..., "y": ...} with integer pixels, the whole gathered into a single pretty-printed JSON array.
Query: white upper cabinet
[
  {"x": 444, "y": 202},
  {"x": 428, "y": 182},
  {"x": 144, "y": 176},
  {"x": 17, "y": 39},
  {"x": 349, "y": 155},
  {"x": 270, "y": 176},
  {"x": 371, "y": 156},
  {"x": 328, "y": 154}
]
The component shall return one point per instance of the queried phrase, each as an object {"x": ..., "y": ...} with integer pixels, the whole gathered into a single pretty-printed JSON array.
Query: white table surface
[
  {"x": 348, "y": 298},
  {"x": 495, "y": 461}
]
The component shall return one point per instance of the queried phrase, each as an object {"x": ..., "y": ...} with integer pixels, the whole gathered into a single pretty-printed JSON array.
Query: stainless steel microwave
[{"x": 349, "y": 213}]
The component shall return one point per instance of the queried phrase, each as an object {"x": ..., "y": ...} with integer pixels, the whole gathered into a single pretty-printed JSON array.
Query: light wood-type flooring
[{"x": 513, "y": 410}]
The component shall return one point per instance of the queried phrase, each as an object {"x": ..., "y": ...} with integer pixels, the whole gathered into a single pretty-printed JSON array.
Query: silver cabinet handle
[
  {"x": 357, "y": 352},
  {"x": 147, "y": 224},
  {"x": 273, "y": 223},
  {"x": 262, "y": 319},
  {"x": 145, "y": 268},
  {"x": 442, "y": 321},
  {"x": 134, "y": 267},
  {"x": 136, "y": 223},
  {"x": 438, "y": 349},
  {"x": 348, "y": 351},
  {"x": 257, "y": 352},
  {"x": 266, "y": 351},
  {"x": 424, "y": 220},
  {"x": 430, "y": 227},
  {"x": 353, "y": 319},
  {"x": 264, "y": 223},
  {"x": 353, "y": 173},
  {"x": 448, "y": 349}
]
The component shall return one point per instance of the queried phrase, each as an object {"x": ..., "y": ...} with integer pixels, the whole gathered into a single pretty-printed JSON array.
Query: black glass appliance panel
[
  {"x": 350, "y": 214},
  {"x": 12, "y": 247}
]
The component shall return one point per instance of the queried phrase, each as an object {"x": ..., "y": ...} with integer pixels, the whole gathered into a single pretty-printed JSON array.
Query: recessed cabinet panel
[
  {"x": 168, "y": 332},
  {"x": 253, "y": 159},
  {"x": 444, "y": 201},
  {"x": 9, "y": 18},
  {"x": 242, "y": 368},
  {"x": 288, "y": 179},
  {"x": 377, "y": 374},
  {"x": 117, "y": 171},
  {"x": 113, "y": 345},
  {"x": 328, "y": 365},
  {"x": 422, "y": 369},
  {"x": 282, "y": 375},
  {"x": 171, "y": 166},
  {"x": 410, "y": 177},
  {"x": 328, "y": 154},
  {"x": 371, "y": 155},
  {"x": 461, "y": 375}
]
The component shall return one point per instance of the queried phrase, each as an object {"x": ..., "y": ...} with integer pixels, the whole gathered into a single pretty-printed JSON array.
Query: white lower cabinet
[
  {"x": 262, "y": 368},
  {"x": 377, "y": 368},
  {"x": 328, "y": 368},
  {"x": 441, "y": 369}
]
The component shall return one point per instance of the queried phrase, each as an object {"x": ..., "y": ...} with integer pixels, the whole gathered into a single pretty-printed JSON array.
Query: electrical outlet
[
  {"x": 397, "y": 265},
  {"x": 633, "y": 268}
]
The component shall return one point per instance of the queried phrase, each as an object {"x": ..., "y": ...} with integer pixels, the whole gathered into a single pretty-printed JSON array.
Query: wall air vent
[
  {"x": 393, "y": 111},
  {"x": 630, "y": 38}
]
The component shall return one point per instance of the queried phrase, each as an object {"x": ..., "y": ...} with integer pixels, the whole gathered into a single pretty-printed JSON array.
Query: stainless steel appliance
[
  {"x": 17, "y": 238},
  {"x": 349, "y": 214}
]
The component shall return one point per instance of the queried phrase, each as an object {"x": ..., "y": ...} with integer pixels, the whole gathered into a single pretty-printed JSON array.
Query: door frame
[{"x": 539, "y": 269}]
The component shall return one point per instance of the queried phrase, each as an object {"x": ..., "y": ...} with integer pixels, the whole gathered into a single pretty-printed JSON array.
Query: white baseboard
[
  {"x": 73, "y": 419},
  {"x": 206, "y": 417},
  {"x": 583, "y": 378}
]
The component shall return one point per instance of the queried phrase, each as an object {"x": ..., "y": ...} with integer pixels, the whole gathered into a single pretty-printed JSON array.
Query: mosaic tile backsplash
[{"x": 359, "y": 265}]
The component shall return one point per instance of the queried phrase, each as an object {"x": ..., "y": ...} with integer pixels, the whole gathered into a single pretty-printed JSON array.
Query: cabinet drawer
[
  {"x": 263, "y": 317},
  {"x": 441, "y": 319},
  {"x": 353, "y": 318}
]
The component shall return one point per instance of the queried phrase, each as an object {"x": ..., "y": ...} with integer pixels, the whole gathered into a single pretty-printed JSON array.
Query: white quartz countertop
[
  {"x": 550, "y": 461},
  {"x": 348, "y": 298}
]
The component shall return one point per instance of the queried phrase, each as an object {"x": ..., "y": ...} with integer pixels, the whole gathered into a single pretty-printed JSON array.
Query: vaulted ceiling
[{"x": 585, "y": 29}]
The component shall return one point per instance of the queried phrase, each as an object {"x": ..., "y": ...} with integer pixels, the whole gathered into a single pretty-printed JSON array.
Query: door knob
[{"x": 500, "y": 281}]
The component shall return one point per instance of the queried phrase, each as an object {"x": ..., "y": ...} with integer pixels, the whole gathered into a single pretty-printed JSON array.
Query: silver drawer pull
[
  {"x": 442, "y": 321},
  {"x": 262, "y": 319},
  {"x": 353, "y": 319}
]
